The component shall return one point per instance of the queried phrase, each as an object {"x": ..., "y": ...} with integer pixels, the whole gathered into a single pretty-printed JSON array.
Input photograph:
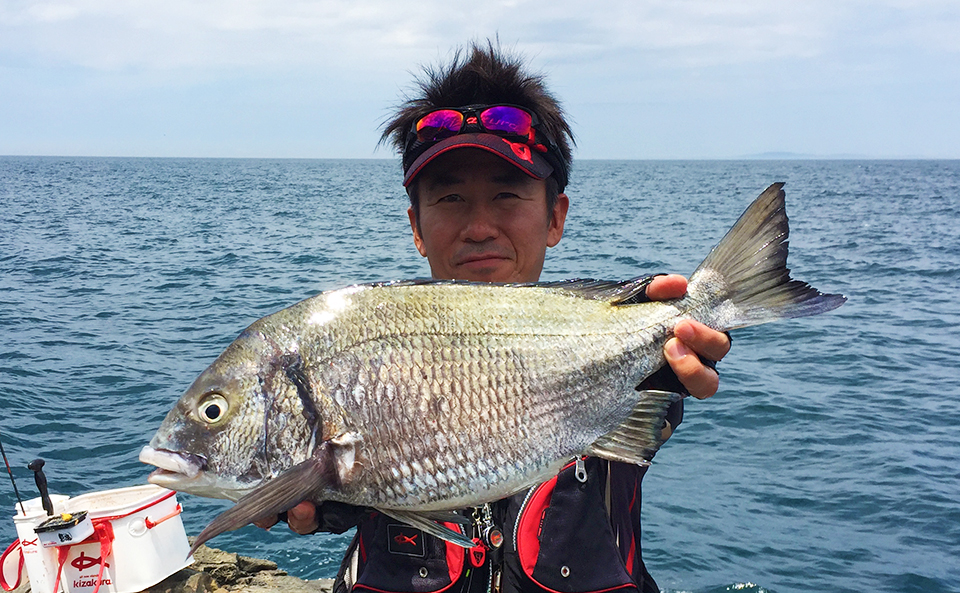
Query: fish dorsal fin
[
  {"x": 616, "y": 292},
  {"x": 425, "y": 523},
  {"x": 638, "y": 437},
  {"x": 623, "y": 292}
]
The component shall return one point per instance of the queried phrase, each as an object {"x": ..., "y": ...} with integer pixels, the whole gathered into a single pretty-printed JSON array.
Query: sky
[{"x": 640, "y": 79}]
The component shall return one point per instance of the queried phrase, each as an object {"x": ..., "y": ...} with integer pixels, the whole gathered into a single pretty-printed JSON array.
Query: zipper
[
  {"x": 581, "y": 473},
  {"x": 523, "y": 507}
]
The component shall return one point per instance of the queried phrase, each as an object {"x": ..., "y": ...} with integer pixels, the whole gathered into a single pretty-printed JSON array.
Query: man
[{"x": 486, "y": 155}]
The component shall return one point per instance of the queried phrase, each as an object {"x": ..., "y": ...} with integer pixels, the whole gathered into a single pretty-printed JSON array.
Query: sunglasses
[
  {"x": 508, "y": 121},
  {"x": 502, "y": 120}
]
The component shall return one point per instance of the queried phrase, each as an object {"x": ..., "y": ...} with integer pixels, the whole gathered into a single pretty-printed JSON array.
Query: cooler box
[{"x": 138, "y": 541}]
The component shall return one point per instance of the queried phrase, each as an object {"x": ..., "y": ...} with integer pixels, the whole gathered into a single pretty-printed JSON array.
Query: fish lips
[{"x": 182, "y": 466}]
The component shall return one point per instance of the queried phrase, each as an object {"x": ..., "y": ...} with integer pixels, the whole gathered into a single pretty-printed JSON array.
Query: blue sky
[{"x": 640, "y": 79}]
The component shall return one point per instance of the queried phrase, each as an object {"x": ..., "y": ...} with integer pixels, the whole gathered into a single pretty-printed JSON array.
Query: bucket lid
[{"x": 61, "y": 522}]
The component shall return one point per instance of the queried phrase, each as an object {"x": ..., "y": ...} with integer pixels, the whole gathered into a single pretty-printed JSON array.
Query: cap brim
[{"x": 516, "y": 153}]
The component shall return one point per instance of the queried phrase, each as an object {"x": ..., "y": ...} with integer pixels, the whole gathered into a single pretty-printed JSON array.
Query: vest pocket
[
  {"x": 564, "y": 539},
  {"x": 397, "y": 558}
]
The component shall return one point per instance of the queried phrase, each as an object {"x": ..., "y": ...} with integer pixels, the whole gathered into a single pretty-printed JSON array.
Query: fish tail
[{"x": 748, "y": 271}]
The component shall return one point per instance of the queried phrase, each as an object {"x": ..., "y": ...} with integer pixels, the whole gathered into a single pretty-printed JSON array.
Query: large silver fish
[{"x": 417, "y": 398}]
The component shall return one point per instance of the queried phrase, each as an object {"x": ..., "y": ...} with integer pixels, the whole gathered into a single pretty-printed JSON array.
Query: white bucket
[
  {"x": 149, "y": 542},
  {"x": 40, "y": 562}
]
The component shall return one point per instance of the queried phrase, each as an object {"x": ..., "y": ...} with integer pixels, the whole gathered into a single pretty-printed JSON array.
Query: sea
[{"x": 829, "y": 460}]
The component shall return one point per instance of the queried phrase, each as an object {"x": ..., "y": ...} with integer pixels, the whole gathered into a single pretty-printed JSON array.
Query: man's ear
[
  {"x": 557, "y": 218},
  {"x": 417, "y": 239}
]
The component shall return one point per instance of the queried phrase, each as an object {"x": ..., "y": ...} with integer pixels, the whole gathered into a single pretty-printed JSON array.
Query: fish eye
[{"x": 212, "y": 408}]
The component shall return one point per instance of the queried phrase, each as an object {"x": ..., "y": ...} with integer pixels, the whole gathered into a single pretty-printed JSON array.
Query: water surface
[{"x": 828, "y": 461}]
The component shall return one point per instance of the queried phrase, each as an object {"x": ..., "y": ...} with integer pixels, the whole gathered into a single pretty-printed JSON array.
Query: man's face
[{"x": 483, "y": 219}]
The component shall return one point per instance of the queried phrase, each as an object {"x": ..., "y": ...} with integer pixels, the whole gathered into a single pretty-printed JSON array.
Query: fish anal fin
[
  {"x": 638, "y": 437},
  {"x": 445, "y": 517},
  {"x": 301, "y": 482},
  {"x": 424, "y": 522}
]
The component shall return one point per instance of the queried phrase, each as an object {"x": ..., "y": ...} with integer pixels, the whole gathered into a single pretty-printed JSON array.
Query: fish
[{"x": 417, "y": 398}]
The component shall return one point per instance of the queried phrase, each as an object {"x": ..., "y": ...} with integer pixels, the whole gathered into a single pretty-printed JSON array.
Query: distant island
[{"x": 787, "y": 156}]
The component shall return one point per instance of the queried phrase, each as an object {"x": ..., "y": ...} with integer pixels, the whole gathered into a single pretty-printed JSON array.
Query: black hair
[{"x": 483, "y": 74}]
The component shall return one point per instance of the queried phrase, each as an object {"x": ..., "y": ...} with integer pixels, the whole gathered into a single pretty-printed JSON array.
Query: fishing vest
[{"x": 578, "y": 532}]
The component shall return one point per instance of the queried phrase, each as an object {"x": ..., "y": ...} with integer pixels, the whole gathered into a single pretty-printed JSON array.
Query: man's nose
[{"x": 481, "y": 224}]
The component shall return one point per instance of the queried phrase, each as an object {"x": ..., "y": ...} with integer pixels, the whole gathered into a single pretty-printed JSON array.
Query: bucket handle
[
  {"x": 3, "y": 578},
  {"x": 151, "y": 524},
  {"x": 103, "y": 531}
]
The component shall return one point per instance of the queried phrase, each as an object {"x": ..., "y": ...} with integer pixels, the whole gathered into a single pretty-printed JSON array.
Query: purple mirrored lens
[
  {"x": 438, "y": 125},
  {"x": 503, "y": 118}
]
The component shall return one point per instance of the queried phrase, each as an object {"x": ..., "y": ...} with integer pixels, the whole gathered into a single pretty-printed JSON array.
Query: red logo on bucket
[
  {"x": 82, "y": 562},
  {"x": 29, "y": 542}
]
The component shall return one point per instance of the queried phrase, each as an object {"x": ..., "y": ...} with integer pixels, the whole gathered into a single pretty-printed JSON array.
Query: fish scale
[
  {"x": 474, "y": 420},
  {"x": 418, "y": 398},
  {"x": 464, "y": 375}
]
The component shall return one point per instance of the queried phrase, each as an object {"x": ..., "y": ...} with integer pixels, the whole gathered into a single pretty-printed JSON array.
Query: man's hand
[
  {"x": 690, "y": 339},
  {"x": 302, "y": 519}
]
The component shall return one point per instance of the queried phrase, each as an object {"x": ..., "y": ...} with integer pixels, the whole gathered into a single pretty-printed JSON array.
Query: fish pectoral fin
[
  {"x": 638, "y": 437},
  {"x": 271, "y": 498},
  {"x": 424, "y": 522}
]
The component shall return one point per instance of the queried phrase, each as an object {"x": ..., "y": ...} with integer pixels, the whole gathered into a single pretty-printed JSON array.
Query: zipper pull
[{"x": 581, "y": 471}]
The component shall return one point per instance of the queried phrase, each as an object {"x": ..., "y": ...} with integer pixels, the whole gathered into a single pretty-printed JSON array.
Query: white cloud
[
  {"x": 244, "y": 75},
  {"x": 383, "y": 34},
  {"x": 112, "y": 34}
]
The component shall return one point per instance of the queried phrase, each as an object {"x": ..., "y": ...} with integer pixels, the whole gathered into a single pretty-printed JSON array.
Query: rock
[
  {"x": 186, "y": 581},
  {"x": 254, "y": 565},
  {"x": 266, "y": 582},
  {"x": 216, "y": 571},
  {"x": 232, "y": 573}
]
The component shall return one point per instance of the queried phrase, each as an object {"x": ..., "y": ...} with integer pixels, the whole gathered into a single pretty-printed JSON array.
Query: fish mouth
[
  {"x": 172, "y": 464},
  {"x": 186, "y": 472}
]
